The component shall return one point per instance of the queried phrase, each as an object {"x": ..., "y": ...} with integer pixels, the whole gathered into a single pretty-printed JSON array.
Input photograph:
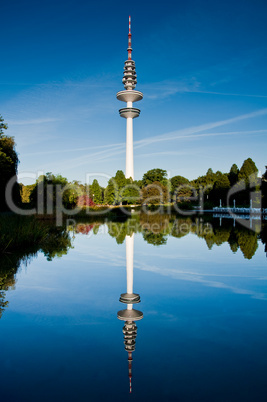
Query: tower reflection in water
[{"x": 129, "y": 315}]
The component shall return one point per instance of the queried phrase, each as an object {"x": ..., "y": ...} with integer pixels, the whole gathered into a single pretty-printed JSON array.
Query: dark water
[{"x": 203, "y": 336}]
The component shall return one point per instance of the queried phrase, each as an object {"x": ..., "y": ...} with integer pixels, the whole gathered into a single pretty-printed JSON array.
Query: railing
[
  {"x": 240, "y": 216},
  {"x": 235, "y": 210}
]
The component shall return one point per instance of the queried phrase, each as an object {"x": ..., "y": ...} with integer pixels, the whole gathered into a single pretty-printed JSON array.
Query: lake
[{"x": 199, "y": 332}]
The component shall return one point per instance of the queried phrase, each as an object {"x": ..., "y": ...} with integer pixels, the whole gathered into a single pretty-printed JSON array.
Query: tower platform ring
[
  {"x": 131, "y": 112},
  {"x": 130, "y": 298},
  {"x": 129, "y": 95},
  {"x": 129, "y": 315}
]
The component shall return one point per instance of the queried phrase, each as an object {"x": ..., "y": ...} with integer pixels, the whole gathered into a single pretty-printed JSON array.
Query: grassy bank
[{"x": 21, "y": 232}]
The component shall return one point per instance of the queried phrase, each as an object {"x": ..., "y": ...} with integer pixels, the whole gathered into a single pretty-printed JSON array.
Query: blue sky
[{"x": 201, "y": 66}]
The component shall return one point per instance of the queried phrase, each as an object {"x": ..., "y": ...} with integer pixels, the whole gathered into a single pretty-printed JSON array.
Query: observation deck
[{"x": 129, "y": 95}]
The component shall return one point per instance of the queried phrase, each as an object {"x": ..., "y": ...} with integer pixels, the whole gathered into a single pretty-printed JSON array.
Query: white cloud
[
  {"x": 191, "y": 131},
  {"x": 32, "y": 121}
]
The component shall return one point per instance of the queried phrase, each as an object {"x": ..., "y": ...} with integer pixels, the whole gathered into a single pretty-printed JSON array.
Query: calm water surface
[{"x": 203, "y": 336}]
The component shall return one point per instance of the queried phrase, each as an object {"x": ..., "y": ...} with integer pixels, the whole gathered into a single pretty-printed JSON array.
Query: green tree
[
  {"x": 120, "y": 179},
  {"x": 49, "y": 188},
  {"x": 113, "y": 194},
  {"x": 205, "y": 182},
  {"x": 139, "y": 183},
  {"x": 248, "y": 171},
  {"x": 131, "y": 192},
  {"x": 72, "y": 192},
  {"x": 177, "y": 181},
  {"x": 209, "y": 172},
  {"x": 248, "y": 175},
  {"x": 155, "y": 175},
  {"x": 3, "y": 126},
  {"x": 220, "y": 188},
  {"x": 155, "y": 193},
  {"x": 95, "y": 192},
  {"x": 109, "y": 193},
  {"x": 8, "y": 166},
  {"x": 120, "y": 182},
  {"x": 180, "y": 188},
  {"x": 233, "y": 174}
]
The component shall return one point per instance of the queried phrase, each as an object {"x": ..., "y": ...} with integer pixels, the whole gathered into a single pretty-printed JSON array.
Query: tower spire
[{"x": 129, "y": 41}]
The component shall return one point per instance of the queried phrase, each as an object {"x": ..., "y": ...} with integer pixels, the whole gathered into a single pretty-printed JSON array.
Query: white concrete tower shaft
[
  {"x": 129, "y": 297},
  {"x": 129, "y": 172},
  {"x": 129, "y": 95},
  {"x": 129, "y": 262}
]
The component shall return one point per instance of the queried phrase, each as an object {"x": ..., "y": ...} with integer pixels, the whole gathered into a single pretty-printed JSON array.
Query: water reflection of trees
[
  {"x": 240, "y": 237},
  {"x": 156, "y": 228},
  {"x": 7, "y": 280},
  {"x": 263, "y": 237},
  {"x": 56, "y": 244}
]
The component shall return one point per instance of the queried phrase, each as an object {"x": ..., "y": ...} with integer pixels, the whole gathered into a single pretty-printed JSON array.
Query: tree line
[{"x": 154, "y": 188}]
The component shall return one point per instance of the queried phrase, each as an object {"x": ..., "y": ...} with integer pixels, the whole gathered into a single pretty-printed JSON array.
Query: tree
[
  {"x": 84, "y": 201},
  {"x": 49, "y": 189},
  {"x": 114, "y": 190},
  {"x": 120, "y": 182},
  {"x": 155, "y": 175},
  {"x": 220, "y": 188},
  {"x": 139, "y": 183},
  {"x": 3, "y": 126},
  {"x": 8, "y": 166},
  {"x": 120, "y": 179},
  {"x": 248, "y": 171},
  {"x": 109, "y": 193},
  {"x": 205, "y": 182},
  {"x": 233, "y": 174},
  {"x": 177, "y": 181},
  {"x": 180, "y": 188},
  {"x": 131, "y": 192},
  {"x": 209, "y": 172},
  {"x": 155, "y": 193},
  {"x": 95, "y": 192},
  {"x": 248, "y": 175}
]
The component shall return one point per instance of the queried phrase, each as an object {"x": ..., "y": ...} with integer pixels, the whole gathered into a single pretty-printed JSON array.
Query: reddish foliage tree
[{"x": 85, "y": 201}]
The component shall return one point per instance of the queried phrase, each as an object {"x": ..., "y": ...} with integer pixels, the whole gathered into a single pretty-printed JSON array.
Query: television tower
[{"x": 129, "y": 96}]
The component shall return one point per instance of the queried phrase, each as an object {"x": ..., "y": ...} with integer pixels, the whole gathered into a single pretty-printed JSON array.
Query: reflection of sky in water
[{"x": 203, "y": 336}]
